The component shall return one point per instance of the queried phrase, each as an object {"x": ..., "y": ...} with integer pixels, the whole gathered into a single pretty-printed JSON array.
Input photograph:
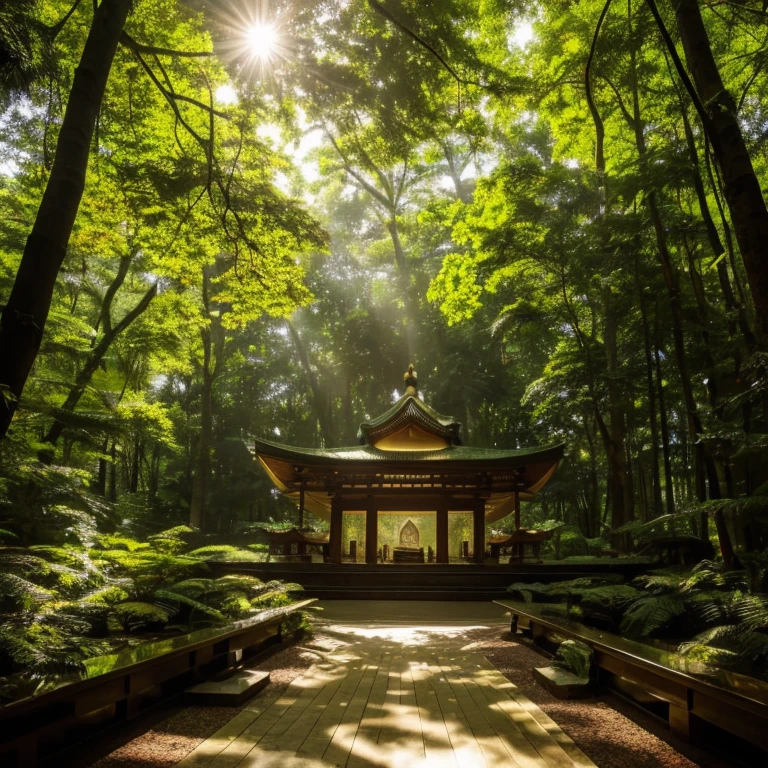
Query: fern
[
  {"x": 25, "y": 594},
  {"x": 529, "y": 591},
  {"x": 172, "y": 540},
  {"x": 648, "y": 614},
  {"x": 226, "y": 552},
  {"x": 176, "y": 597},
  {"x": 575, "y": 657},
  {"x": 135, "y": 615}
]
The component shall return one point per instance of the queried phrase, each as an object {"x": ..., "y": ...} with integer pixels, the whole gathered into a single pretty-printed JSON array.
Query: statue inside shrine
[{"x": 409, "y": 550}]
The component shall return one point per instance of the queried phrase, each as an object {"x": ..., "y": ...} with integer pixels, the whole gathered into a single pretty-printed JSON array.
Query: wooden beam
[
  {"x": 478, "y": 530},
  {"x": 337, "y": 517},
  {"x": 371, "y": 530},
  {"x": 441, "y": 530}
]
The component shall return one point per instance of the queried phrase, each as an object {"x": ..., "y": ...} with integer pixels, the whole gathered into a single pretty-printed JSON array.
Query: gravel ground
[{"x": 613, "y": 734}]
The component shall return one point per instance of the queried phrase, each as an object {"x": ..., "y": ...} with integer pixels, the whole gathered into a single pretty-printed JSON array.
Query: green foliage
[
  {"x": 133, "y": 616},
  {"x": 575, "y": 657},
  {"x": 224, "y": 553},
  {"x": 710, "y": 613},
  {"x": 94, "y": 597}
]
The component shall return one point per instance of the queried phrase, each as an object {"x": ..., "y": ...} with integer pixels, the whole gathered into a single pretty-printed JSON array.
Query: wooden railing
[
  {"x": 734, "y": 703},
  {"x": 119, "y": 686}
]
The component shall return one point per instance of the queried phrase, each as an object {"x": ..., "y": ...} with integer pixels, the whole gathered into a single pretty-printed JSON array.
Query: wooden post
[
  {"x": 337, "y": 516},
  {"x": 371, "y": 531},
  {"x": 441, "y": 530},
  {"x": 301, "y": 505},
  {"x": 478, "y": 519},
  {"x": 517, "y": 510}
]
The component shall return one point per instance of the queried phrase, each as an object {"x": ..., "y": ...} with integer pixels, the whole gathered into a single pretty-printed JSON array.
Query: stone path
[{"x": 400, "y": 692}]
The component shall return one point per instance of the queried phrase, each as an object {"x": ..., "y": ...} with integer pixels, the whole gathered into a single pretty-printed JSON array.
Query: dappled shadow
[{"x": 399, "y": 692}]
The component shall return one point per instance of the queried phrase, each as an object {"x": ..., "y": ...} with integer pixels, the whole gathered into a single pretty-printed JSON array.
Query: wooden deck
[{"x": 375, "y": 702}]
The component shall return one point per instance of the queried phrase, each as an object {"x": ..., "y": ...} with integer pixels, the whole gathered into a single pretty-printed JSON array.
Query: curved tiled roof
[
  {"x": 409, "y": 409},
  {"x": 372, "y": 455}
]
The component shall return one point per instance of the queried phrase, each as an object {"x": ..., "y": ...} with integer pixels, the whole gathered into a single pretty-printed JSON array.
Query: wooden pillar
[
  {"x": 517, "y": 510},
  {"x": 441, "y": 530},
  {"x": 478, "y": 516},
  {"x": 301, "y": 506},
  {"x": 337, "y": 515},
  {"x": 371, "y": 531}
]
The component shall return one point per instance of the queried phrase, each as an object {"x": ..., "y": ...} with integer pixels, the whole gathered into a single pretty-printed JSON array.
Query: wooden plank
[
  {"x": 204, "y": 753},
  {"x": 340, "y": 745},
  {"x": 493, "y": 748},
  {"x": 364, "y": 746},
  {"x": 299, "y": 693},
  {"x": 321, "y": 733},
  {"x": 290, "y": 738},
  {"x": 391, "y": 705},
  {"x": 521, "y": 751},
  {"x": 467, "y": 752},
  {"x": 410, "y": 712},
  {"x": 437, "y": 743},
  {"x": 505, "y": 696}
]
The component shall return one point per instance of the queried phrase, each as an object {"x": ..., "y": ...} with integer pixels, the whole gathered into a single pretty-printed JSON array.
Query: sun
[{"x": 262, "y": 40}]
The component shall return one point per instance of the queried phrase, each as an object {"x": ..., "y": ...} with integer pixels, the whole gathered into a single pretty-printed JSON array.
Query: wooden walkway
[{"x": 381, "y": 704}]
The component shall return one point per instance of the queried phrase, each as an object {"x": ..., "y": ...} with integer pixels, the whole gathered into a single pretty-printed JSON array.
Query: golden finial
[{"x": 410, "y": 377}]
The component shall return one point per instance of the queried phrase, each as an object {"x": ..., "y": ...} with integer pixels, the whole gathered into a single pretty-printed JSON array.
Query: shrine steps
[{"x": 459, "y": 581}]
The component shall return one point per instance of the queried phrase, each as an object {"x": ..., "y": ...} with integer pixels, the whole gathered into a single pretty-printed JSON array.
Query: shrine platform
[{"x": 416, "y": 581}]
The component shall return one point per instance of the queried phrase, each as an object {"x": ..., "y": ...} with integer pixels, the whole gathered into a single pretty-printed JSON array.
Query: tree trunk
[
  {"x": 622, "y": 501},
  {"x": 112, "y": 497},
  {"x": 669, "y": 490},
  {"x": 656, "y": 507},
  {"x": 24, "y": 316},
  {"x": 733, "y": 306},
  {"x": 741, "y": 186},
  {"x": 214, "y": 340},
  {"x": 705, "y": 469}
]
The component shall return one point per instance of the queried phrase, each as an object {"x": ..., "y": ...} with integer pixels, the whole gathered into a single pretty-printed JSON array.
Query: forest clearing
[{"x": 228, "y": 228}]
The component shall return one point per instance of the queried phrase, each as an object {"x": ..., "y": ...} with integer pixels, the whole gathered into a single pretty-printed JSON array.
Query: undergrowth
[{"x": 713, "y": 616}]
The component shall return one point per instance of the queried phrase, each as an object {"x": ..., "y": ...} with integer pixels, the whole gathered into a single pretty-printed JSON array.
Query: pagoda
[{"x": 411, "y": 461}]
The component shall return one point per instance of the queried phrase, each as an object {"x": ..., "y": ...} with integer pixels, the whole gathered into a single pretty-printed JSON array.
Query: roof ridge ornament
[{"x": 410, "y": 377}]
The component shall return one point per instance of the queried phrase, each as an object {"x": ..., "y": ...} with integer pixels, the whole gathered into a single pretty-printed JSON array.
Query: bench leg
[{"x": 680, "y": 721}]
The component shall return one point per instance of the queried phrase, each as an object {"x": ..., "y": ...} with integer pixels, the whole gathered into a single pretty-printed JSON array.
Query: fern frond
[
  {"x": 647, "y": 614},
  {"x": 26, "y": 593},
  {"x": 752, "y": 612},
  {"x": 176, "y": 597}
]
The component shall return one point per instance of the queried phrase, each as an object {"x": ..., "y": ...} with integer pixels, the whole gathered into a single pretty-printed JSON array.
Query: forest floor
[{"x": 608, "y": 731}]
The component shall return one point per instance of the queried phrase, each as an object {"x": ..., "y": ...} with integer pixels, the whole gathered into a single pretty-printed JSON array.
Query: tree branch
[
  {"x": 598, "y": 121},
  {"x": 134, "y": 45},
  {"x": 382, "y": 11},
  {"x": 682, "y": 74},
  {"x": 59, "y": 25}
]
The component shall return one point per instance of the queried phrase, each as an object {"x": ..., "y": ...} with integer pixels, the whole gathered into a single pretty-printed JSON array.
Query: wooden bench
[
  {"x": 734, "y": 703},
  {"x": 117, "y": 687}
]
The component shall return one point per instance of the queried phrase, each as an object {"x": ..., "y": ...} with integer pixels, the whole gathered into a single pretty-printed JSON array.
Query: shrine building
[{"x": 410, "y": 486}]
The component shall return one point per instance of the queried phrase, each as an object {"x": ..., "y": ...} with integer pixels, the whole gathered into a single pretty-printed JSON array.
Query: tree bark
[
  {"x": 741, "y": 186},
  {"x": 669, "y": 489},
  {"x": 25, "y": 314},
  {"x": 652, "y": 408}
]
